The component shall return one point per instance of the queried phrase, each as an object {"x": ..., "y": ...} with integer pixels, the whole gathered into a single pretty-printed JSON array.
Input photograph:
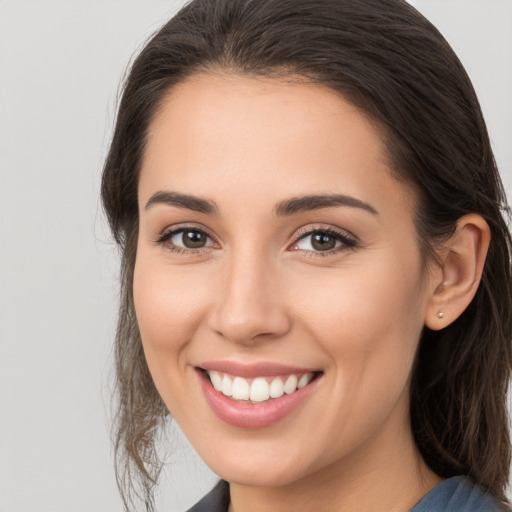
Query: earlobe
[{"x": 462, "y": 262}]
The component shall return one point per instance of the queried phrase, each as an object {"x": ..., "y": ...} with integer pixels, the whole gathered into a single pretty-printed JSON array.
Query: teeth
[
  {"x": 259, "y": 389},
  {"x": 216, "y": 380},
  {"x": 276, "y": 388},
  {"x": 227, "y": 386},
  {"x": 290, "y": 385},
  {"x": 304, "y": 380},
  {"x": 240, "y": 389}
]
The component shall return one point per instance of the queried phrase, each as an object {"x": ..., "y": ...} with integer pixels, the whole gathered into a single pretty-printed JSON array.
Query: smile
[
  {"x": 259, "y": 389},
  {"x": 255, "y": 396}
]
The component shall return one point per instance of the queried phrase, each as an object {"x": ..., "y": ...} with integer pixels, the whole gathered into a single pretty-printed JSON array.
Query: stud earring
[{"x": 440, "y": 314}]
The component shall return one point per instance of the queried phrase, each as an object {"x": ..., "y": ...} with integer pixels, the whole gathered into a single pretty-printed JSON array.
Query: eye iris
[
  {"x": 193, "y": 239},
  {"x": 323, "y": 242}
]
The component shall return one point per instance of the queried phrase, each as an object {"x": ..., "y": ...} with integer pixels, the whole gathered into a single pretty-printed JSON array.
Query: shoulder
[
  {"x": 217, "y": 500},
  {"x": 457, "y": 494}
]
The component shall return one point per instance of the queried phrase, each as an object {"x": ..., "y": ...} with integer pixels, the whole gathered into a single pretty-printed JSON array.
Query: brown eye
[
  {"x": 320, "y": 241},
  {"x": 323, "y": 242},
  {"x": 193, "y": 239},
  {"x": 187, "y": 239}
]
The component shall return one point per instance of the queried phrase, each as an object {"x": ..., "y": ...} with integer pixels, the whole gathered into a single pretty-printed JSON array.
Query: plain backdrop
[{"x": 60, "y": 66}]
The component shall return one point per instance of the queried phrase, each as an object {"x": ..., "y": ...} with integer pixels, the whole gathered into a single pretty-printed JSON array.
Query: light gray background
[{"x": 60, "y": 64}]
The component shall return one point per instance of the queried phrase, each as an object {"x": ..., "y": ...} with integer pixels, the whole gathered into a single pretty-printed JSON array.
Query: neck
[{"x": 389, "y": 476}]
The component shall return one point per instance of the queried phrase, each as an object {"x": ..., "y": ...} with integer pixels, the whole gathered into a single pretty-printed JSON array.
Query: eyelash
[
  {"x": 347, "y": 242},
  {"x": 166, "y": 236}
]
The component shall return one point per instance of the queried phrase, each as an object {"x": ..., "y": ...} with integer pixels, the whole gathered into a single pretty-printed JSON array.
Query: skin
[{"x": 259, "y": 292}]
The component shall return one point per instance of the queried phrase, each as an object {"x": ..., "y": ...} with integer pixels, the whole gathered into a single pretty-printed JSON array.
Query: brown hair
[{"x": 391, "y": 63}]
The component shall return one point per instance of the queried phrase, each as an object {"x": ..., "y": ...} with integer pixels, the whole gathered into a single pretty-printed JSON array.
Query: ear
[{"x": 455, "y": 282}]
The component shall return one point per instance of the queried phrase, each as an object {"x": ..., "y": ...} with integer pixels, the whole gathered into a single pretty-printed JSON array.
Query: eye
[
  {"x": 318, "y": 242},
  {"x": 323, "y": 241},
  {"x": 190, "y": 239},
  {"x": 186, "y": 239}
]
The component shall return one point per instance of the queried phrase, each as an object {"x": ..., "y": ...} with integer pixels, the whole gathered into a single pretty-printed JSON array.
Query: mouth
[
  {"x": 255, "y": 396},
  {"x": 259, "y": 389}
]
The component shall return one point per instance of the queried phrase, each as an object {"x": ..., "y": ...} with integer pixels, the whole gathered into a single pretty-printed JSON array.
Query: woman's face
[{"x": 277, "y": 257}]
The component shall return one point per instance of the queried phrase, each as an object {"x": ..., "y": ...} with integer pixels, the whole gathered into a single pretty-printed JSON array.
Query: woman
[{"x": 315, "y": 267}]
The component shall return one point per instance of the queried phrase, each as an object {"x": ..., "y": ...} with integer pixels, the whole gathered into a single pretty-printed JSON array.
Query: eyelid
[
  {"x": 167, "y": 233},
  {"x": 348, "y": 240},
  {"x": 329, "y": 228}
]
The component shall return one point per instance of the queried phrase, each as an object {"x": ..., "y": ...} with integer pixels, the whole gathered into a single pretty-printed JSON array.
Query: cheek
[
  {"x": 368, "y": 320},
  {"x": 369, "y": 327},
  {"x": 168, "y": 308}
]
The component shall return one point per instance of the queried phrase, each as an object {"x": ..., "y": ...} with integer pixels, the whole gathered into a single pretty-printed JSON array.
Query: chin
[
  {"x": 263, "y": 476},
  {"x": 258, "y": 469}
]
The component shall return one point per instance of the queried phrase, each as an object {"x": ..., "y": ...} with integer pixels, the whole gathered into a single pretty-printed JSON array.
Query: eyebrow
[
  {"x": 282, "y": 209},
  {"x": 187, "y": 201},
  {"x": 315, "y": 202}
]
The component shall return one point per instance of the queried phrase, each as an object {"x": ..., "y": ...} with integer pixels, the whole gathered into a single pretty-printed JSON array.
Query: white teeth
[
  {"x": 240, "y": 389},
  {"x": 260, "y": 390},
  {"x": 216, "y": 380},
  {"x": 276, "y": 388},
  {"x": 290, "y": 385},
  {"x": 227, "y": 386},
  {"x": 304, "y": 380}
]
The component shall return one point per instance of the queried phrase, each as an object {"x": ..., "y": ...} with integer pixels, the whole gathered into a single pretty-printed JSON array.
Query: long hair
[{"x": 396, "y": 68}]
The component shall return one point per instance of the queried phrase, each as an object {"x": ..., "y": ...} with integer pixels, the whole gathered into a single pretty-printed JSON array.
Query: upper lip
[{"x": 252, "y": 370}]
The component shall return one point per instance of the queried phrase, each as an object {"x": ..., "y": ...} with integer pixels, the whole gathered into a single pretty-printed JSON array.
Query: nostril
[
  {"x": 248, "y": 307},
  {"x": 250, "y": 329}
]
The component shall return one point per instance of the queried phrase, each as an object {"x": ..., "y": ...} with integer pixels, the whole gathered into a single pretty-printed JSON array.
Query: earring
[{"x": 440, "y": 314}]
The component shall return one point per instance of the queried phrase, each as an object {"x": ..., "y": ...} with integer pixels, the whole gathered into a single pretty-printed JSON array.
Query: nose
[{"x": 250, "y": 305}]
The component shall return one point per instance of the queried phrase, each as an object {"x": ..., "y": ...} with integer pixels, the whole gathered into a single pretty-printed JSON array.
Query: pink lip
[
  {"x": 251, "y": 371},
  {"x": 252, "y": 416}
]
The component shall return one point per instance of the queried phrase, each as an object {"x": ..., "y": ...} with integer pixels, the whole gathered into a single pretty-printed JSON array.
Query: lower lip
[{"x": 246, "y": 415}]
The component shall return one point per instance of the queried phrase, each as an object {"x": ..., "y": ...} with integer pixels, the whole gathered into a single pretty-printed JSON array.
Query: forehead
[{"x": 292, "y": 136}]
